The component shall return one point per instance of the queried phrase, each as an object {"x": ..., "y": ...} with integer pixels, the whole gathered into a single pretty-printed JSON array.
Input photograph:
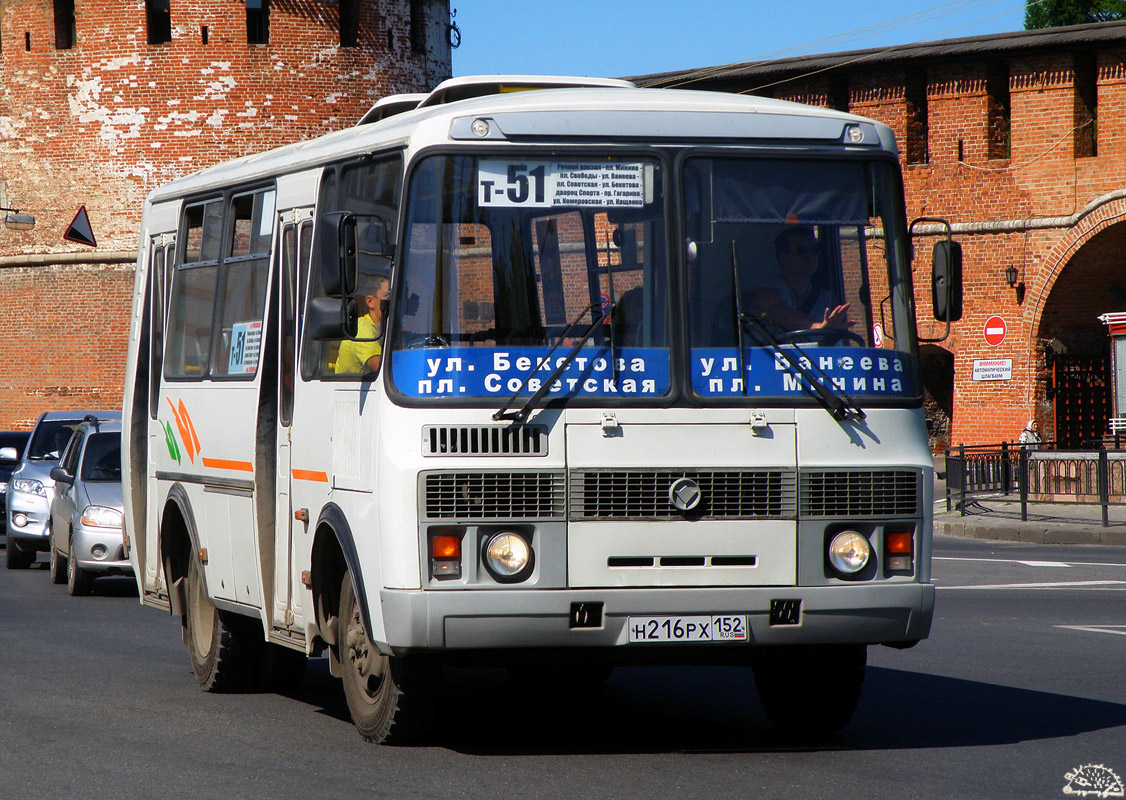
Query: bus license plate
[{"x": 719, "y": 628}]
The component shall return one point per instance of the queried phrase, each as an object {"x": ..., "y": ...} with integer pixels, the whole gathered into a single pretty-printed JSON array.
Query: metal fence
[{"x": 1041, "y": 473}]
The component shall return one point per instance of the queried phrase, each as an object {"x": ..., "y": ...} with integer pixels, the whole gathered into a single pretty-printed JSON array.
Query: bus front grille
[
  {"x": 645, "y": 494},
  {"x": 484, "y": 440},
  {"x": 860, "y": 493},
  {"x": 492, "y": 495}
]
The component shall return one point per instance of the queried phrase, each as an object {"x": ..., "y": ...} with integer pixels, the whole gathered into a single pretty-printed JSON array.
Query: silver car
[
  {"x": 86, "y": 513},
  {"x": 31, "y": 488}
]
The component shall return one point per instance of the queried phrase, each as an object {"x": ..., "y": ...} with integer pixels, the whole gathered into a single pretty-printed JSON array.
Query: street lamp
[{"x": 14, "y": 220}]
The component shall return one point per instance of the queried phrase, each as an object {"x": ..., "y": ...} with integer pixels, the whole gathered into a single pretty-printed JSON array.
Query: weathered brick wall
[
  {"x": 104, "y": 122},
  {"x": 1070, "y": 270}
]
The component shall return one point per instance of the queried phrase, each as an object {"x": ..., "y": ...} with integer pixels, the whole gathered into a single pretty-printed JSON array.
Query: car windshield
[
  {"x": 506, "y": 258},
  {"x": 101, "y": 460},
  {"x": 50, "y": 439}
]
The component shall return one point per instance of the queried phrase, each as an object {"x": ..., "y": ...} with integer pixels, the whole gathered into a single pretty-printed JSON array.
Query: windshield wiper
[
  {"x": 841, "y": 406},
  {"x": 522, "y": 413}
]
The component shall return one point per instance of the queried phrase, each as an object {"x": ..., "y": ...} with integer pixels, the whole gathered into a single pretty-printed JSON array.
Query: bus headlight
[
  {"x": 849, "y": 552},
  {"x": 508, "y": 557}
]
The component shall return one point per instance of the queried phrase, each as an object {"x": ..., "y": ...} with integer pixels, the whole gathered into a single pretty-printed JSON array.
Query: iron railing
[{"x": 1040, "y": 473}]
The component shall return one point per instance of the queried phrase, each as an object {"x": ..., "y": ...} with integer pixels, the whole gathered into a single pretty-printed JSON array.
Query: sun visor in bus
[
  {"x": 810, "y": 192},
  {"x": 660, "y": 124}
]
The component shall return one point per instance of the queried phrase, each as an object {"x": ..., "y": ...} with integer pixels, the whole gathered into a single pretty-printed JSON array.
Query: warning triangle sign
[{"x": 80, "y": 230}]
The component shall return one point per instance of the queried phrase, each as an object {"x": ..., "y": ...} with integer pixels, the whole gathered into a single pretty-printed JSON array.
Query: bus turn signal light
[
  {"x": 900, "y": 543},
  {"x": 445, "y": 555},
  {"x": 446, "y": 546}
]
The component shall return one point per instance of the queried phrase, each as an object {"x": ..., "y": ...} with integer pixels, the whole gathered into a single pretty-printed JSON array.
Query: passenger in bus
[
  {"x": 365, "y": 355},
  {"x": 795, "y": 299}
]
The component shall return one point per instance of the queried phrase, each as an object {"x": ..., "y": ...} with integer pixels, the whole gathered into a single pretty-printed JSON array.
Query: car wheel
[
  {"x": 391, "y": 699},
  {"x": 58, "y": 564},
  {"x": 14, "y": 558},
  {"x": 222, "y": 645},
  {"x": 79, "y": 582}
]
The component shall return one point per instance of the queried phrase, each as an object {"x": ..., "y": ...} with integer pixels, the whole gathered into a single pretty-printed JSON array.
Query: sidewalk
[{"x": 997, "y": 517}]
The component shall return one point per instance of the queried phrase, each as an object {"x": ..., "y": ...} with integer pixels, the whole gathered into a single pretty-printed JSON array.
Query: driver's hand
[{"x": 835, "y": 318}]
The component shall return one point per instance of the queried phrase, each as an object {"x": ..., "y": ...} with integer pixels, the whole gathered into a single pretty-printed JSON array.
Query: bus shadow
[{"x": 656, "y": 710}]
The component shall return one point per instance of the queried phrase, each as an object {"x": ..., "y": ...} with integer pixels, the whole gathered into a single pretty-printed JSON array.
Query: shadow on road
[{"x": 654, "y": 710}]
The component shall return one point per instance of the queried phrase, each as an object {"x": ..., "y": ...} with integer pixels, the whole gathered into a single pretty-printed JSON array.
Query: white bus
[{"x": 556, "y": 380}]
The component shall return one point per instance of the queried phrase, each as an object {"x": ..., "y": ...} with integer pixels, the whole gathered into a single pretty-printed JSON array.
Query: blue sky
[{"x": 617, "y": 38}]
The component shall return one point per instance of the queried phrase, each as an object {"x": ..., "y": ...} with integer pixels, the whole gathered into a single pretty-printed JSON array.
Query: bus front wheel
[
  {"x": 811, "y": 691},
  {"x": 391, "y": 699},
  {"x": 222, "y": 645}
]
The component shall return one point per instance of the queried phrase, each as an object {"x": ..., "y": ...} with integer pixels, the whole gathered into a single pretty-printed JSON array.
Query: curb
[{"x": 1032, "y": 532}]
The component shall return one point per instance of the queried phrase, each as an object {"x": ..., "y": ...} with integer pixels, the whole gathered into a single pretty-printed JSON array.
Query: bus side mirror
[
  {"x": 332, "y": 318},
  {"x": 946, "y": 281},
  {"x": 337, "y": 236}
]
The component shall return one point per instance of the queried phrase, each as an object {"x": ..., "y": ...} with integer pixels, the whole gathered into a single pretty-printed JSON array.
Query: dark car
[{"x": 12, "y": 444}]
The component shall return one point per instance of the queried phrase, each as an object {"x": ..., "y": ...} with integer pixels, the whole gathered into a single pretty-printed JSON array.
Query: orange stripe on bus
[
  {"x": 310, "y": 475},
  {"x": 222, "y": 463}
]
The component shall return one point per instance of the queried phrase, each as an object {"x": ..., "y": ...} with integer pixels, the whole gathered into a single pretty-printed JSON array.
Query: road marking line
[
  {"x": 1058, "y": 585},
  {"x": 1029, "y": 563},
  {"x": 1096, "y": 629}
]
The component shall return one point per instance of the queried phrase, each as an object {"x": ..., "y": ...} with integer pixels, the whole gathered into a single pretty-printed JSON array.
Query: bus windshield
[
  {"x": 506, "y": 259},
  {"x": 783, "y": 261},
  {"x": 795, "y": 275}
]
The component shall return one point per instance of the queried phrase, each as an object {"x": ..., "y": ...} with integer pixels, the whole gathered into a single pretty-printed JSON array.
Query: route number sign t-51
[{"x": 543, "y": 184}]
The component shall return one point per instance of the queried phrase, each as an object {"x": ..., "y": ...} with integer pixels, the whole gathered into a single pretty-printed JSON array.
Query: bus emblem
[{"x": 684, "y": 494}]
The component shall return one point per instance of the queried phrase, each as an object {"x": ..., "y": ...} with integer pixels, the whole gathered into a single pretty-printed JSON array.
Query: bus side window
[
  {"x": 370, "y": 190},
  {"x": 244, "y": 277},
  {"x": 192, "y": 301}
]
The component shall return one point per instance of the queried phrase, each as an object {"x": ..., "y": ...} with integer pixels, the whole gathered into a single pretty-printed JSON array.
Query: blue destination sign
[
  {"x": 856, "y": 371},
  {"x": 499, "y": 372}
]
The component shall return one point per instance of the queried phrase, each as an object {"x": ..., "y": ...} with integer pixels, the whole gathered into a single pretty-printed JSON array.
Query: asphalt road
[{"x": 1021, "y": 683}]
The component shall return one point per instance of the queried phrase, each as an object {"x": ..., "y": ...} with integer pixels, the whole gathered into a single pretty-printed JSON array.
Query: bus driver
[
  {"x": 793, "y": 300},
  {"x": 365, "y": 355}
]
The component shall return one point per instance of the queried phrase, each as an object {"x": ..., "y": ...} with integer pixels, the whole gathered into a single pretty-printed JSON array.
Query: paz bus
[{"x": 490, "y": 379}]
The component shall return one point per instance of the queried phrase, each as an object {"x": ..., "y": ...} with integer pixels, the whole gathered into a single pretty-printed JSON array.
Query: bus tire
[
  {"x": 391, "y": 699},
  {"x": 811, "y": 691},
  {"x": 58, "y": 564},
  {"x": 222, "y": 645}
]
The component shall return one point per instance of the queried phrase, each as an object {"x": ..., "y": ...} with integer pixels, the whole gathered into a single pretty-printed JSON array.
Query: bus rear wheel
[
  {"x": 811, "y": 691},
  {"x": 391, "y": 699},
  {"x": 222, "y": 645}
]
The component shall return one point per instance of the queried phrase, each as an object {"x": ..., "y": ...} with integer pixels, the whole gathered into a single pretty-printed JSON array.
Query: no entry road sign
[{"x": 994, "y": 331}]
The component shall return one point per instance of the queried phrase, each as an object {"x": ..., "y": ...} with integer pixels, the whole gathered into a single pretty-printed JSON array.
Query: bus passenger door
[
  {"x": 296, "y": 239},
  {"x": 162, "y": 249}
]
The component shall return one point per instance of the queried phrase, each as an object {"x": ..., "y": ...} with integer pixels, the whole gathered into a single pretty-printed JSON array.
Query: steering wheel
[
  {"x": 429, "y": 340},
  {"x": 828, "y": 336}
]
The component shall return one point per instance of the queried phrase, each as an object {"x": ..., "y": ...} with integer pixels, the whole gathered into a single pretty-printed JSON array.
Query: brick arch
[
  {"x": 1064, "y": 250},
  {"x": 1080, "y": 281}
]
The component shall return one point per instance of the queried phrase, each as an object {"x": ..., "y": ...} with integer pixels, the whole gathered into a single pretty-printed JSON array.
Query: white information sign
[
  {"x": 993, "y": 369},
  {"x": 246, "y": 345},
  {"x": 543, "y": 184}
]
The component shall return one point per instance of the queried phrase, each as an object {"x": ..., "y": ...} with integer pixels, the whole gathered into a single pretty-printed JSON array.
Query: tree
[{"x": 1054, "y": 13}]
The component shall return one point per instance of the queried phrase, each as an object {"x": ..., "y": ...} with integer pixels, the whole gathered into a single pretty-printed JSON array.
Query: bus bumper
[{"x": 511, "y": 619}]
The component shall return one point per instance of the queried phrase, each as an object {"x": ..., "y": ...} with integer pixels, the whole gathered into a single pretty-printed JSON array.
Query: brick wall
[
  {"x": 1070, "y": 270},
  {"x": 104, "y": 122}
]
